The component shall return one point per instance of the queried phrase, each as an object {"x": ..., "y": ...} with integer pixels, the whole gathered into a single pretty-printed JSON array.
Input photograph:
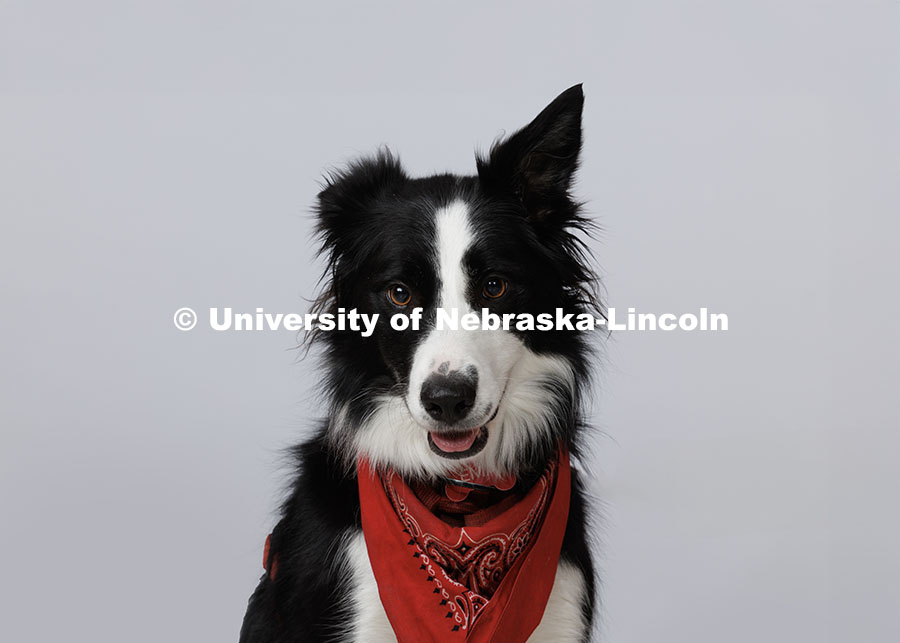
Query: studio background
[{"x": 738, "y": 156}]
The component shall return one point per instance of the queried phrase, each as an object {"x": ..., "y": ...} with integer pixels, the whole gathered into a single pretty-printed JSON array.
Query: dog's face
[{"x": 426, "y": 401}]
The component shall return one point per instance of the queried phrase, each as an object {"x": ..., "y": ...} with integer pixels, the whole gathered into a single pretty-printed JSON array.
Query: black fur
[{"x": 375, "y": 225}]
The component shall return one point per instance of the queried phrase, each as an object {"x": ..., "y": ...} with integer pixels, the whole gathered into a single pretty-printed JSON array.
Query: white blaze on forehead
[{"x": 452, "y": 240}]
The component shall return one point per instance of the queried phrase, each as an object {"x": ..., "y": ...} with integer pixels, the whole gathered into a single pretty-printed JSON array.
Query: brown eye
[
  {"x": 494, "y": 287},
  {"x": 399, "y": 295}
]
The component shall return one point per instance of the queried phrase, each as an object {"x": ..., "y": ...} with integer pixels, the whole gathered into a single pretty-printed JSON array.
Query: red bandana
[{"x": 485, "y": 577}]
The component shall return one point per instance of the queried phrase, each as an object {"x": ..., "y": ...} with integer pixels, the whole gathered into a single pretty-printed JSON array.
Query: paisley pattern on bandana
[{"x": 467, "y": 570}]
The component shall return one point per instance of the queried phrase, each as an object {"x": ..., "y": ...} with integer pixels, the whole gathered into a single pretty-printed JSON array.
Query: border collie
[{"x": 436, "y": 502}]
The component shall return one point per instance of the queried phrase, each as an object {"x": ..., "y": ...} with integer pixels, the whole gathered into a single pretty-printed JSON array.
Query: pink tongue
[{"x": 454, "y": 442}]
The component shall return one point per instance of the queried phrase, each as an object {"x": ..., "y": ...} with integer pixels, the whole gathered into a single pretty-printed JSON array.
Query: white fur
[
  {"x": 452, "y": 239},
  {"x": 490, "y": 353},
  {"x": 368, "y": 621},
  {"x": 528, "y": 388},
  {"x": 536, "y": 386},
  {"x": 563, "y": 620}
]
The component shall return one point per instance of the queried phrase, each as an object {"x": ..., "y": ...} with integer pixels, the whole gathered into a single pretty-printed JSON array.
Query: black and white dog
[{"x": 422, "y": 403}]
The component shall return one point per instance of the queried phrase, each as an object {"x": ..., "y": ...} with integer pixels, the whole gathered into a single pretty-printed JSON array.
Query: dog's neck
[{"x": 469, "y": 495}]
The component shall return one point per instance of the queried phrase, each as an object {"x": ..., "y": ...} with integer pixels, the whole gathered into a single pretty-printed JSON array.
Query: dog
[{"x": 436, "y": 502}]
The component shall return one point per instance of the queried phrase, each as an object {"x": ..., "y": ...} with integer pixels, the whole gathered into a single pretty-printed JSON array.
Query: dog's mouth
[{"x": 456, "y": 445}]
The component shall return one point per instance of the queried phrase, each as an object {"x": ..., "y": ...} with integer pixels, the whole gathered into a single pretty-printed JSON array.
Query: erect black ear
[
  {"x": 349, "y": 194},
  {"x": 538, "y": 162}
]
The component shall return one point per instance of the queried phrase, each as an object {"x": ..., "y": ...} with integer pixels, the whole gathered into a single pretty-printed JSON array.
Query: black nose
[{"x": 449, "y": 398}]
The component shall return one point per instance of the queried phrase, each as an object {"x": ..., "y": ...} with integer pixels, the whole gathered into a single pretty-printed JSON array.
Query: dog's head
[{"x": 424, "y": 401}]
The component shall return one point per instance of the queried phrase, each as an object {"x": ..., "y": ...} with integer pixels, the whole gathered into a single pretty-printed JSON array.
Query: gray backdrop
[{"x": 740, "y": 156}]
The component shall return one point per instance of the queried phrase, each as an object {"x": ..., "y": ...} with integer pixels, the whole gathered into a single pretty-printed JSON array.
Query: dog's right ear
[
  {"x": 348, "y": 197},
  {"x": 537, "y": 164}
]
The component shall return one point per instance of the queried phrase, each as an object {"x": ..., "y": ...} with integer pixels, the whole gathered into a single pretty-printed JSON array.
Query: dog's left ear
[
  {"x": 537, "y": 164},
  {"x": 346, "y": 200}
]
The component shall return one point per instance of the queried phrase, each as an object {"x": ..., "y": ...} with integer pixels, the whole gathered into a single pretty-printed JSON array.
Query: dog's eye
[
  {"x": 399, "y": 294},
  {"x": 494, "y": 287}
]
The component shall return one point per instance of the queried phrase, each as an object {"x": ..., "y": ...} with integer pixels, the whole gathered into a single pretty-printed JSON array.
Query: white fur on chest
[{"x": 563, "y": 620}]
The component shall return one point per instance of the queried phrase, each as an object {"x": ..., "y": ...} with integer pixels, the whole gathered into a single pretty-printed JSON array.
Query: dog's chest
[{"x": 367, "y": 622}]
